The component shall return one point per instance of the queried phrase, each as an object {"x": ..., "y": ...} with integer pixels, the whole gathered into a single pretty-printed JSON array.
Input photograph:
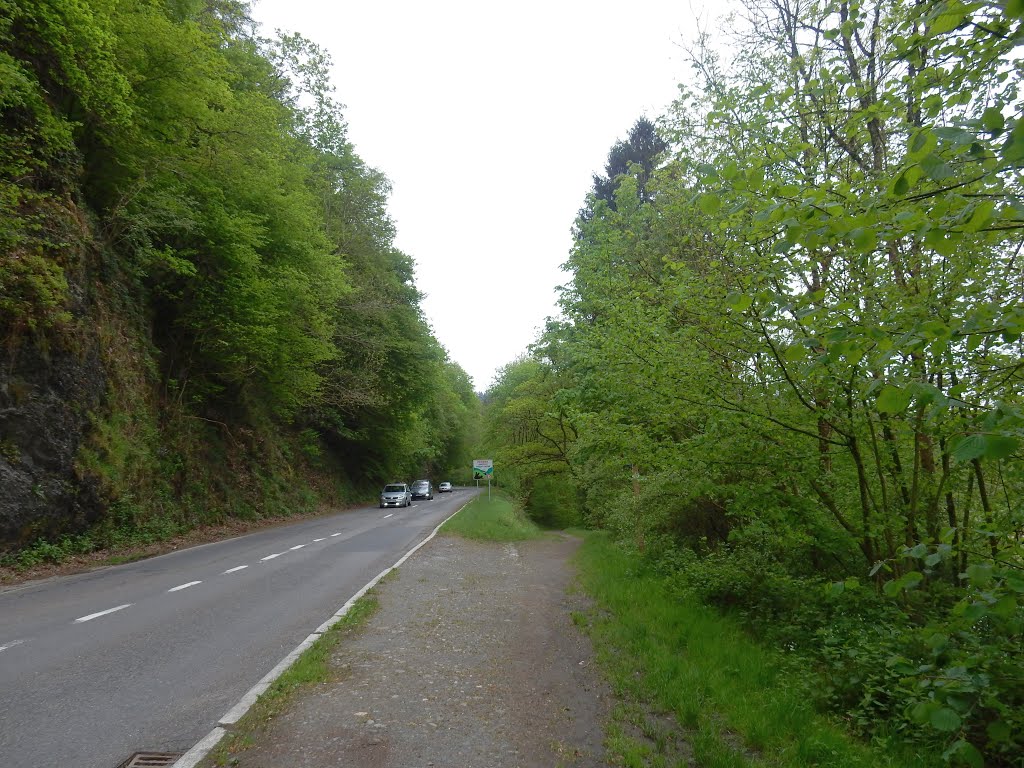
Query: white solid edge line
[
  {"x": 92, "y": 616},
  {"x": 184, "y": 586},
  {"x": 236, "y": 712},
  {"x": 191, "y": 758}
]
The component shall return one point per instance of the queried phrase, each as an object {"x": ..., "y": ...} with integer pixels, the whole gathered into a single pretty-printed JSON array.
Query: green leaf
[
  {"x": 958, "y": 137},
  {"x": 933, "y": 559},
  {"x": 921, "y": 144},
  {"x": 710, "y": 204},
  {"x": 936, "y": 168},
  {"x": 740, "y": 302},
  {"x": 945, "y": 719},
  {"x": 992, "y": 118},
  {"x": 970, "y": 447},
  {"x": 980, "y": 575},
  {"x": 984, "y": 445},
  {"x": 1000, "y": 446},
  {"x": 864, "y": 238},
  {"x": 999, "y": 731},
  {"x": 795, "y": 352},
  {"x": 966, "y": 752},
  {"x": 984, "y": 213},
  {"x": 954, "y": 15},
  {"x": 1013, "y": 148},
  {"x": 909, "y": 580},
  {"x": 892, "y": 399},
  {"x": 1005, "y": 606},
  {"x": 921, "y": 711}
]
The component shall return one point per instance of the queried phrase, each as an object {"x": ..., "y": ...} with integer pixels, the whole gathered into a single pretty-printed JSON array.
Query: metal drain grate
[{"x": 151, "y": 760}]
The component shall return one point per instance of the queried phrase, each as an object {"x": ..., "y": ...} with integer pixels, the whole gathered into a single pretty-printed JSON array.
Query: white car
[{"x": 444, "y": 487}]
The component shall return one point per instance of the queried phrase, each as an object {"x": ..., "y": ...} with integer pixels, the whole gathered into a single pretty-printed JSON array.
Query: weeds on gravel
[
  {"x": 310, "y": 668},
  {"x": 685, "y": 672},
  {"x": 497, "y": 519}
]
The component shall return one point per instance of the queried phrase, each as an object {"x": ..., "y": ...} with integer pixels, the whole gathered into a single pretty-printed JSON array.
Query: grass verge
[
  {"x": 494, "y": 519},
  {"x": 310, "y": 668},
  {"x": 694, "y": 689}
]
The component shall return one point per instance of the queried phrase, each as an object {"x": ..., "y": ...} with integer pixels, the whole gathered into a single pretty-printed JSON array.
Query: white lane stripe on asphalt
[
  {"x": 184, "y": 586},
  {"x": 297, "y": 546},
  {"x": 270, "y": 557},
  {"x": 232, "y": 570},
  {"x": 316, "y": 540},
  {"x": 336, "y": 534},
  {"x": 92, "y": 616},
  {"x": 193, "y": 757},
  {"x": 11, "y": 644},
  {"x": 387, "y": 516}
]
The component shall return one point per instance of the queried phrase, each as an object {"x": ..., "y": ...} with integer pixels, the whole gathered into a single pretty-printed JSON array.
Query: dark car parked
[{"x": 422, "y": 489}]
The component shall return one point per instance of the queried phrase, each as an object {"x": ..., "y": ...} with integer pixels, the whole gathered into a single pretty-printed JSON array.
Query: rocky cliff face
[{"x": 46, "y": 396}]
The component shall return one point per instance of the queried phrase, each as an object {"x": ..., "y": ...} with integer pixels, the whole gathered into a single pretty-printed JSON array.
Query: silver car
[{"x": 395, "y": 495}]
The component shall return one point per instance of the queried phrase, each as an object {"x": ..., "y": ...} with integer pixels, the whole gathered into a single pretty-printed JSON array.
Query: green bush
[
  {"x": 552, "y": 502},
  {"x": 901, "y": 667}
]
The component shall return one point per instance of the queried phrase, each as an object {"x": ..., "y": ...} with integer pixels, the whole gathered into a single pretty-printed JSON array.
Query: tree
[{"x": 642, "y": 148}]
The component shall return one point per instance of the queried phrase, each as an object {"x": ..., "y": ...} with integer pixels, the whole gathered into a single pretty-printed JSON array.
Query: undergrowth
[{"x": 735, "y": 702}]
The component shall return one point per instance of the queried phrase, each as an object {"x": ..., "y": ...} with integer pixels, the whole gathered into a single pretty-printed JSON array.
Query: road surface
[{"x": 146, "y": 657}]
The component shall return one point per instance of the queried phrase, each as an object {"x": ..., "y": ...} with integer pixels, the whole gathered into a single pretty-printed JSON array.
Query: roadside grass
[
  {"x": 685, "y": 673},
  {"x": 312, "y": 667},
  {"x": 497, "y": 519}
]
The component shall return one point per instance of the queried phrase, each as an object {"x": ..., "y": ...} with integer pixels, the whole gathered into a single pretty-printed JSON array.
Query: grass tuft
[
  {"x": 312, "y": 667},
  {"x": 497, "y": 519},
  {"x": 688, "y": 667}
]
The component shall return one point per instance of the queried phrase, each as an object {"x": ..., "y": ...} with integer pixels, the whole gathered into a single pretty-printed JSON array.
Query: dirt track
[{"x": 472, "y": 661}]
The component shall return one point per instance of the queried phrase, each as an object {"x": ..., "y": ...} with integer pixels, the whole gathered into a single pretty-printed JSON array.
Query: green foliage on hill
[
  {"x": 181, "y": 191},
  {"x": 790, "y": 369}
]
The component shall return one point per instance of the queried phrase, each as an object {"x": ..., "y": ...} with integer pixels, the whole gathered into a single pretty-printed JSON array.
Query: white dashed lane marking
[
  {"x": 387, "y": 516},
  {"x": 11, "y": 644},
  {"x": 184, "y": 586},
  {"x": 180, "y": 587},
  {"x": 92, "y": 616}
]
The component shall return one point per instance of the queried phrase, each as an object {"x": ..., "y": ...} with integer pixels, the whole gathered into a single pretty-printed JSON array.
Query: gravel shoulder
[{"x": 473, "y": 659}]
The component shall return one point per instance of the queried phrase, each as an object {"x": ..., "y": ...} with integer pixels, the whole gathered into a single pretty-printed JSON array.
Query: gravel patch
[{"x": 472, "y": 661}]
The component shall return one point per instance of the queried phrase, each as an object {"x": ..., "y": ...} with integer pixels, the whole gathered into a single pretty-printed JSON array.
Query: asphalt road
[{"x": 148, "y": 656}]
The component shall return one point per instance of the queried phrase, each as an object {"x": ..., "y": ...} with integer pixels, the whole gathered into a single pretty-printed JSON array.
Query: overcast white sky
[{"x": 489, "y": 120}]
